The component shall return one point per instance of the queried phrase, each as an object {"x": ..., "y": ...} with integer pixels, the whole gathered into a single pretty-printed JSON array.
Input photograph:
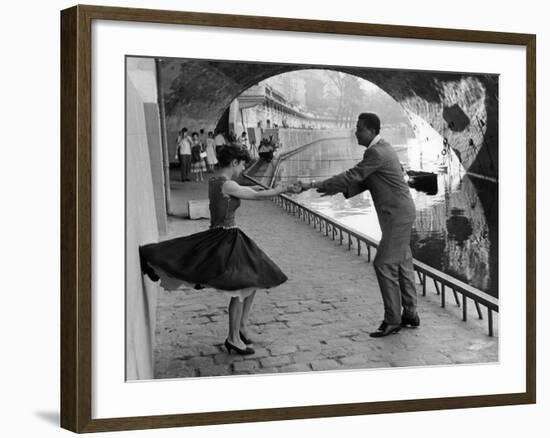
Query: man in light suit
[{"x": 380, "y": 172}]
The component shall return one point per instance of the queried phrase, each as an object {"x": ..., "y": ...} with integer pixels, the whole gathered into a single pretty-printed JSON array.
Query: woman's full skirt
[{"x": 221, "y": 258}]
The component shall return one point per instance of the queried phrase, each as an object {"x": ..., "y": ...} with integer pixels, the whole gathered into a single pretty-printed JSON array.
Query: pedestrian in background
[
  {"x": 220, "y": 141},
  {"x": 183, "y": 154},
  {"x": 197, "y": 160},
  {"x": 211, "y": 152},
  {"x": 202, "y": 137},
  {"x": 243, "y": 141}
]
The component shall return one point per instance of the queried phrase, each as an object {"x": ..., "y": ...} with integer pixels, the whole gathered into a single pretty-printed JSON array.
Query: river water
[{"x": 455, "y": 230}]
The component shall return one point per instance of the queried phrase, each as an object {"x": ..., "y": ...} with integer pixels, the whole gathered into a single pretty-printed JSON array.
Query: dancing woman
[{"x": 222, "y": 257}]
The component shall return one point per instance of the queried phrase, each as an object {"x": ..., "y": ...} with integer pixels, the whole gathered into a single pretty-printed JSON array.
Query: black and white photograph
[
  {"x": 275, "y": 219},
  {"x": 293, "y": 218}
]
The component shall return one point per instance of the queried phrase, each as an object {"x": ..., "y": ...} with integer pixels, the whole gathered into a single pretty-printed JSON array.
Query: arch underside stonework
[{"x": 462, "y": 107}]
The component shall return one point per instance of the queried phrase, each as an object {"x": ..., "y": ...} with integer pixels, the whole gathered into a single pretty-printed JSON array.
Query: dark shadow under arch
[{"x": 197, "y": 92}]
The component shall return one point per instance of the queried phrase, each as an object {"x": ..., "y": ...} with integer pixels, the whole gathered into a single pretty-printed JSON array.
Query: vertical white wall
[{"x": 142, "y": 223}]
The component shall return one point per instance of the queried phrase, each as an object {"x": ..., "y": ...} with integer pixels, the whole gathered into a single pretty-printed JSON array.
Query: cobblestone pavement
[{"x": 318, "y": 320}]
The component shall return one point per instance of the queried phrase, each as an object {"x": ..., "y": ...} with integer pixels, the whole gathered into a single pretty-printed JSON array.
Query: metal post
[
  {"x": 424, "y": 284},
  {"x": 479, "y": 314},
  {"x": 456, "y": 297},
  {"x": 436, "y": 287}
]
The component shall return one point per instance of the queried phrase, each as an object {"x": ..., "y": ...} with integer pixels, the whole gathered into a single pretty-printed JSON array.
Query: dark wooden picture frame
[{"x": 76, "y": 218}]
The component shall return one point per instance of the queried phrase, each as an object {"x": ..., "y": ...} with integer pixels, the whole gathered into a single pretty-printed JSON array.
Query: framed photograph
[{"x": 270, "y": 219}]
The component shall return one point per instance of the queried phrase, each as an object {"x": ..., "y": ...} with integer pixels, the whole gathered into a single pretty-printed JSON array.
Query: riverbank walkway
[{"x": 318, "y": 320}]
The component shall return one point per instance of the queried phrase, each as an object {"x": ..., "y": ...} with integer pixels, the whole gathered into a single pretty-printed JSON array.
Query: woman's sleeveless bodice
[{"x": 222, "y": 208}]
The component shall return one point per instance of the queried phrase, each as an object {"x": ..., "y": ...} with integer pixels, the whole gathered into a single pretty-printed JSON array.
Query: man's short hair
[{"x": 370, "y": 120}]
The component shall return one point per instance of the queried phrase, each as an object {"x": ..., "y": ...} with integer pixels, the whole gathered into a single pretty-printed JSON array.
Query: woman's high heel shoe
[
  {"x": 246, "y": 340},
  {"x": 240, "y": 351}
]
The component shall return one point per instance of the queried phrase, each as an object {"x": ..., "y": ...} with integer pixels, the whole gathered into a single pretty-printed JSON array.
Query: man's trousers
[
  {"x": 394, "y": 269},
  {"x": 185, "y": 166}
]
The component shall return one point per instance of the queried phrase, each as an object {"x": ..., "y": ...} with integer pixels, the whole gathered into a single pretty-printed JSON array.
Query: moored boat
[{"x": 423, "y": 181}]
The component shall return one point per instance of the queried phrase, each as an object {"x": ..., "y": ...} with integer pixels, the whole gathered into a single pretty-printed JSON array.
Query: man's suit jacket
[{"x": 380, "y": 172}]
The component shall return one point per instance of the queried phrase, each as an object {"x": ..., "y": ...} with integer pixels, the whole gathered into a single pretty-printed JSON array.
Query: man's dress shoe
[
  {"x": 410, "y": 321},
  {"x": 386, "y": 329}
]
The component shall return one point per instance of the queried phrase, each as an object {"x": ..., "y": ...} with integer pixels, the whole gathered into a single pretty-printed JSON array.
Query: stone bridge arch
[{"x": 462, "y": 107}]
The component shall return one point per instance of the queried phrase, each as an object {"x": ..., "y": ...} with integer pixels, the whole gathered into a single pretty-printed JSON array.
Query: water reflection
[{"x": 451, "y": 232}]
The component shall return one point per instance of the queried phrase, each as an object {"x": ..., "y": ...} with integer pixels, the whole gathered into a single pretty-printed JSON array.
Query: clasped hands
[{"x": 299, "y": 187}]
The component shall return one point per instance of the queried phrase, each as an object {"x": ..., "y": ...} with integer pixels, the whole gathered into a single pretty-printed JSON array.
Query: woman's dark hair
[
  {"x": 195, "y": 133},
  {"x": 230, "y": 152}
]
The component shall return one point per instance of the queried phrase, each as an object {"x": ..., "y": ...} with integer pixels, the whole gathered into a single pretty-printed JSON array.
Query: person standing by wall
[
  {"x": 202, "y": 137},
  {"x": 243, "y": 141},
  {"x": 219, "y": 140},
  {"x": 198, "y": 165},
  {"x": 211, "y": 151},
  {"x": 183, "y": 154}
]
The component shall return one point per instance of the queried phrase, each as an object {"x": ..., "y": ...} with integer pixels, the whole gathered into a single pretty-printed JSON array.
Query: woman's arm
[{"x": 233, "y": 189}]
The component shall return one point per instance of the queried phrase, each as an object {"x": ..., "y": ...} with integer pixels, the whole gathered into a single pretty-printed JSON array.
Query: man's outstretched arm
[{"x": 352, "y": 181}]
